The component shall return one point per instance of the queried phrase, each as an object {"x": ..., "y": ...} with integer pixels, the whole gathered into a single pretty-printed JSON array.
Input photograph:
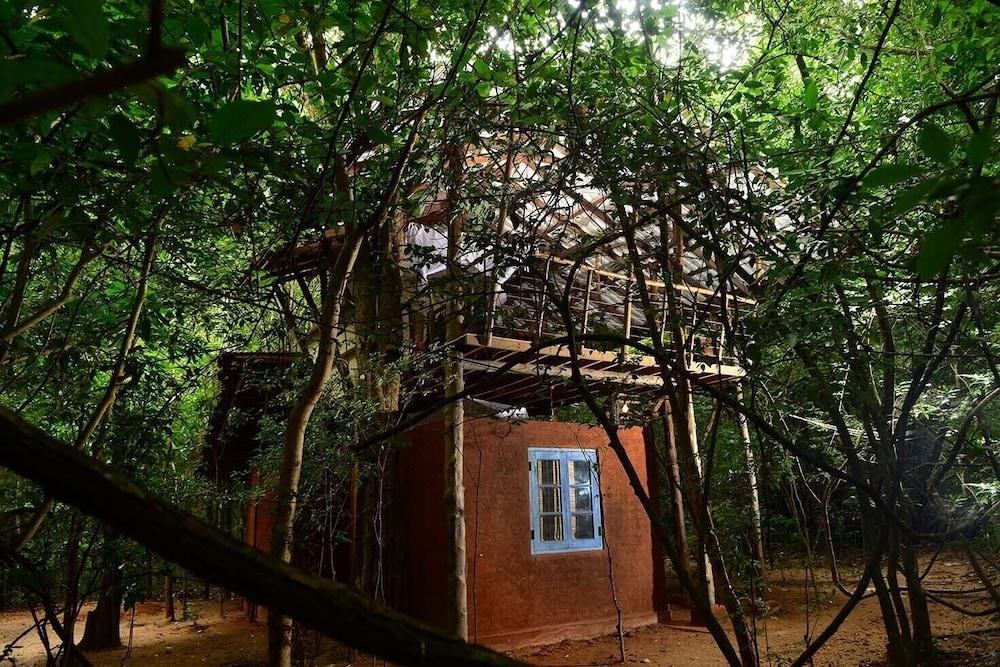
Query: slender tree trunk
[
  {"x": 379, "y": 333},
  {"x": 169, "y": 611},
  {"x": 894, "y": 642},
  {"x": 923, "y": 635},
  {"x": 86, "y": 257},
  {"x": 686, "y": 433},
  {"x": 619, "y": 629},
  {"x": 454, "y": 416},
  {"x": 71, "y": 600},
  {"x": 12, "y": 306},
  {"x": 676, "y": 493},
  {"x": 280, "y": 627},
  {"x": 118, "y": 376},
  {"x": 711, "y": 562},
  {"x": 99, "y": 418},
  {"x": 757, "y": 541}
]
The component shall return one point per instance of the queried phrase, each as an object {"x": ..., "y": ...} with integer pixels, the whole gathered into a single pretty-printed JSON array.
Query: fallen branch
[{"x": 331, "y": 608}]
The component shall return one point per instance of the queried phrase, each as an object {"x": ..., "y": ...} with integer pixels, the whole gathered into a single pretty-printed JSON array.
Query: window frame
[{"x": 568, "y": 543}]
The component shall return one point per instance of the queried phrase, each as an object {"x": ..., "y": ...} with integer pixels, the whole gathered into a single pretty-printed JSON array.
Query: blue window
[{"x": 565, "y": 500}]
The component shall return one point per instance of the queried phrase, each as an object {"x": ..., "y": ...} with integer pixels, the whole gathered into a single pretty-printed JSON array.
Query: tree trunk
[
  {"x": 168, "y": 598},
  {"x": 101, "y": 631},
  {"x": 686, "y": 435},
  {"x": 12, "y": 305},
  {"x": 454, "y": 439},
  {"x": 118, "y": 375},
  {"x": 71, "y": 599},
  {"x": 279, "y": 627},
  {"x": 676, "y": 494},
  {"x": 454, "y": 500},
  {"x": 756, "y": 539},
  {"x": 378, "y": 320},
  {"x": 923, "y": 635},
  {"x": 701, "y": 518}
]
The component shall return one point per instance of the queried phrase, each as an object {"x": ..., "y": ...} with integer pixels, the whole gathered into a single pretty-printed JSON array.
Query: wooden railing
[{"x": 607, "y": 302}]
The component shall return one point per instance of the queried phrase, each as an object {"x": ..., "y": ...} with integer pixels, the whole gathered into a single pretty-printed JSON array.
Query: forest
[{"x": 499, "y": 332}]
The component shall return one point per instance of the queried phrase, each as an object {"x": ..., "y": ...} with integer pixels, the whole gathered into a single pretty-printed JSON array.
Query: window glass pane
[
  {"x": 552, "y": 527},
  {"x": 583, "y": 526},
  {"x": 549, "y": 499},
  {"x": 548, "y": 471},
  {"x": 580, "y": 472},
  {"x": 579, "y": 499}
]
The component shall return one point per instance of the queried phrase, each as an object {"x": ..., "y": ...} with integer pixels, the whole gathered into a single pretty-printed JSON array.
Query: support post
[
  {"x": 586, "y": 305},
  {"x": 627, "y": 320},
  {"x": 540, "y": 320},
  {"x": 501, "y": 219}
]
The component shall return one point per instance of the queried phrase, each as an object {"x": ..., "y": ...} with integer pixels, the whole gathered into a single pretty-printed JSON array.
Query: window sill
[{"x": 565, "y": 550}]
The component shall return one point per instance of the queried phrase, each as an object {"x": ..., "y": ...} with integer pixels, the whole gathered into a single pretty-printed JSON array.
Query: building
[
  {"x": 545, "y": 502},
  {"x": 549, "y": 512}
]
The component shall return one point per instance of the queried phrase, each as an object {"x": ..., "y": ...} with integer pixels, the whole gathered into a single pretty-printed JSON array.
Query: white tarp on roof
[{"x": 427, "y": 248}]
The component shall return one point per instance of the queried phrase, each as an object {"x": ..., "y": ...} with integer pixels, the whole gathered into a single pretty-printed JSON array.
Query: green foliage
[
  {"x": 886, "y": 183},
  {"x": 86, "y": 22},
  {"x": 241, "y": 119}
]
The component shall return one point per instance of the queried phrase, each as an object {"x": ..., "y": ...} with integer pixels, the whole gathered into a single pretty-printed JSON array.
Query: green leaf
[
  {"x": 890, "y": 174},
  {"x": 938, "y": 248},
  {"x": 485, "y": 89},
  {"x": 41, "y": 159},
  {"x": 913, "y": 196},
  {"x": 126, "y": 137},
  {"x": 935, "y": 143},
  {"x": 482, "y": 69},
  {"x": 34, "y": 69},
  {"x": 86, "y": 22},
  {"x": 378, "y": 135},
  {"x": 177, "y": 111},
  {"x": 811, "y": 94},
  {"x": 978, "y": 148},
  {"x": 197, "y": 30},
  {"x": 241, "y": 120},
  {"x": 165, "y": 179}
]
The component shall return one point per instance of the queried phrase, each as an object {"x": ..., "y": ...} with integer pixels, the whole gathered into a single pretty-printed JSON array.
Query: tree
[{"x": 835, "y": 161}]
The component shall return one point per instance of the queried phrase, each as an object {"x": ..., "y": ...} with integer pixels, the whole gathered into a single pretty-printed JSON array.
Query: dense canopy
[{"x": 380, "y": 194}]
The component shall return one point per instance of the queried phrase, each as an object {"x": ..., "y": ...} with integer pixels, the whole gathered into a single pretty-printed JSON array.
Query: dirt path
[
  {"x": 205, "y": 639},
  {"x": 208, "y": 639}
]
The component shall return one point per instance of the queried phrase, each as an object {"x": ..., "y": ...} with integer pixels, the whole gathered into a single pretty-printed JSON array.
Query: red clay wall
[
  {"x": 516, "y": 598},
  {"x": 260, "y": 514}
]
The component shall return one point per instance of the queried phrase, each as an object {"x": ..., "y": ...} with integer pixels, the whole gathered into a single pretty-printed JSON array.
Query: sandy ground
[
  {"x": 205, "y": 639},
  {"x": 963, "y": 640},
  {"x": 231, "y": 641}
]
